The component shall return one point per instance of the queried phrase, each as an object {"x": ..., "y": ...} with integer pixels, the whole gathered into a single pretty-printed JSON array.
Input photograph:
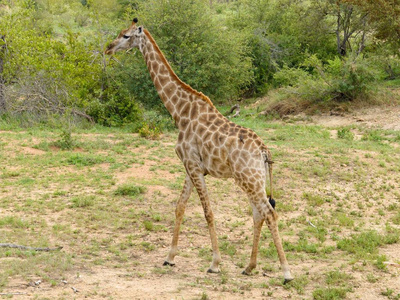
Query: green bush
[
  {"x": 56, "y": 66},
  {"x": 114, "y": 105},
  {"x": 316, "y": 82}
]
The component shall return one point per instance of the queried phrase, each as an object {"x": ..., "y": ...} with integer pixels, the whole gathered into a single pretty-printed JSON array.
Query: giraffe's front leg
[
  {"x": 258, "y": 221},
  {"x": 179, "y": 212}
]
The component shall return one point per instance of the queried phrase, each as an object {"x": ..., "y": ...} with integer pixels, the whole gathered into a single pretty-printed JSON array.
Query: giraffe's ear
[{"x": 140, "y": 29}]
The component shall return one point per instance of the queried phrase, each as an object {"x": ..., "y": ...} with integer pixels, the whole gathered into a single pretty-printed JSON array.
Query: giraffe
[{"x": 208, "y": 143}]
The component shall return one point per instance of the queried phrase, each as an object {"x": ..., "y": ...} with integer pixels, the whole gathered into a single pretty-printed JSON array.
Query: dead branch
[
  {"x": 235, "y": 107},
  {"x": 28, "y": 248}
]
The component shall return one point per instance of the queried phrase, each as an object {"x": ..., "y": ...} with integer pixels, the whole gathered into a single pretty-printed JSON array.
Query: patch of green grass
[
  {"x": 372, "y": 135},
  {"x": 147, "y": 246},
  {"x": 345, "y": 134},
  {"x": 299, "y": 284},
  {"x": 390, "y": 294},
  {"x": 379, "y": 263},
  {"x": 227, "y": 248},
  {"x": 86, "y": 159},
  {"x": 313, "y": 199},
  {"x": 330, "y": 293},
  {"x": 10, "y": 174},
  {"x": 396, "y": 218},
  {"x": 148, "y": 225},
  {"x": 14, "y": 222},
  {"x": 337, "y": 277},
  {"x": 343, "y": 219},
  {"x": 130, "y": 190},
  {"x": 303, "y": 245},
  {"x": 83, "y": 201},
  {"x": 366, "y": 243},
  {"x": 337, "y": 285}
]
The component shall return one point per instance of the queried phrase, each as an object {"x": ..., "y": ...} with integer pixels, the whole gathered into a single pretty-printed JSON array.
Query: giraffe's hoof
[
  {"x": 167, "y": 263},
  {"x": 287, "y": 280},
  {"x": 213, "y": 271},
  {"x": 246, "y": 273}
]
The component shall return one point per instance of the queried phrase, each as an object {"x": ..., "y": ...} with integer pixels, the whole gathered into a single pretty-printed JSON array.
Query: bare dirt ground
[
  {"x": 382, "y": 117},
  {"x": 148, "y": 279}
]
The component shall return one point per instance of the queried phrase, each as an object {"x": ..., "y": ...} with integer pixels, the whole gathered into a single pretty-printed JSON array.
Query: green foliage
[
  {"x": 319, "y": 82},
  {"x": 150, "y": 131},
  {"x": 114, "y": 105},
  {"x": 202, "y": 52},
  {"x": 224, "y": 49},
  {"x": 66, "y": 73}
]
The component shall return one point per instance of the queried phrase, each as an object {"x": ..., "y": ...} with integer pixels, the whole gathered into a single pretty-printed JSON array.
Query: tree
[
  {"x": 56, "y": 66},
  {"x": 384, "y": 15},
  {"x": 346, "y": 21},
  {"x": 202, "y": 51}
]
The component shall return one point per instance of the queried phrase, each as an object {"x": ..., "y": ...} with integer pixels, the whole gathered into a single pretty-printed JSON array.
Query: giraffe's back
[{"x": 222, "y": 148}]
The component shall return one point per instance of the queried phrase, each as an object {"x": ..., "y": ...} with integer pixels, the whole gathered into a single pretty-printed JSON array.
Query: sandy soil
[{"x": 385, "y": 118}]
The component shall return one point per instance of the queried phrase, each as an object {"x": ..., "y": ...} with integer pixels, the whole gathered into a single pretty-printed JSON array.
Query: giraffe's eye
[{"x": 126, "y": 36}]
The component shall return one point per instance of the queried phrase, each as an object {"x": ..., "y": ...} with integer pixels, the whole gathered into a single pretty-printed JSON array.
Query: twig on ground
[
  {"x": 390, "y": 263},
  {"x": 309, "y": 222},
  {"x": 28, "y": 248},
  {"x": 12, "y": 294}
]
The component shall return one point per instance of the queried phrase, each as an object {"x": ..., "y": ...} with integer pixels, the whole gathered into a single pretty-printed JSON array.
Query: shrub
[
  {"x": 319, "y": 83},
  {"x": 66, "y": 142}
]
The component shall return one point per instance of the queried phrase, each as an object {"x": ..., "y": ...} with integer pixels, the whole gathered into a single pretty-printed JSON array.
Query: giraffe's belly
[{"x": 217, "y": 164}]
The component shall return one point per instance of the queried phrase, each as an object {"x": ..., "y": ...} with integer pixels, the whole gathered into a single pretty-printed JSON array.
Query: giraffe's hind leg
[
  {"x": 179, "y": 212},
  {"x": 271, "y": 218},
  {"x": 258, "y": 221},
  {"x": 263, "y": 211}
]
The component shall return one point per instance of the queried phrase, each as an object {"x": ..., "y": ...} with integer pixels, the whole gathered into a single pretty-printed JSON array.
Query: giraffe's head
[{"x": 127, "y": 39}]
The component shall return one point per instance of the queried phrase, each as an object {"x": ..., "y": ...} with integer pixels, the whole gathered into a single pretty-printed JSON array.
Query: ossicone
[{"x": 135, "y": 20}]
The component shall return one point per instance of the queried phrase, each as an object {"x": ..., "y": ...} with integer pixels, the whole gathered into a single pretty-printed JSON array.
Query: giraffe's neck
[{"x": 174, "y": 93}]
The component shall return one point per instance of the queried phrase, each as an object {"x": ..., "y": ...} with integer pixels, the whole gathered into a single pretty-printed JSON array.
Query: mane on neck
[{"x": 185, "y": 86}]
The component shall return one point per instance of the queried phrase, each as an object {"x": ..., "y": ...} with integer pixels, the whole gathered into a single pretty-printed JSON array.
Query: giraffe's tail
[{"x": 268, "y": 165}]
